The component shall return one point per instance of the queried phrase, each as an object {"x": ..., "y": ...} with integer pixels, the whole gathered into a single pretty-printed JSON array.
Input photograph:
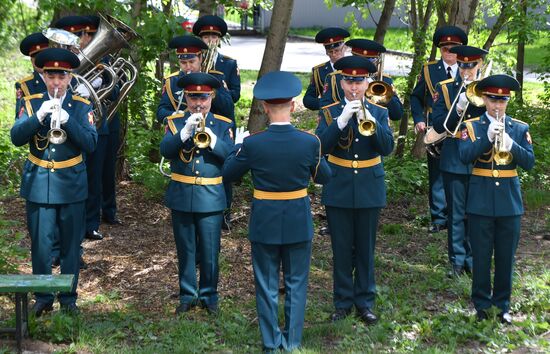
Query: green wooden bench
[{"x": 21, "y": 285}]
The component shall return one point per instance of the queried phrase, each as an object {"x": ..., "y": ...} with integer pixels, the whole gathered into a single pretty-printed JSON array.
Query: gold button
[
  {"x": 355, "y": 171},
  {"x": 497, "y": 184},
  {"x": 354, "y": 164},
  {"x": 197, "y": 161},
  {"x": 496, "y": 173},
  {"x": 356, "y": 156},
  {"x": 198, "y": 151},
  {"x": 196, "y": 172},
  {"x": 356, "y": 139}
]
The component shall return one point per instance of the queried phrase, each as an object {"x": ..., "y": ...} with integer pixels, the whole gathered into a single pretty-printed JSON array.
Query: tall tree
[
  {"x": 273, "y": 55},
  {"x": 521, "y": 53},
  {"x": 384, "y": 21},
  {"x": 206, "y": 7}
]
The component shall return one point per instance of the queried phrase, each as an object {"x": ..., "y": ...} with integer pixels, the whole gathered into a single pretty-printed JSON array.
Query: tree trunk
[
  {"x": 521, "y": 55},
  {"x": 273, "y": 56},
  {"x": 462, "y": 13},
  {"x": 505, "y": 12},
  {"x": 206, "y": 7},
  {"x": 384, "y": 21},
  {"x": 420, "y": 46}
]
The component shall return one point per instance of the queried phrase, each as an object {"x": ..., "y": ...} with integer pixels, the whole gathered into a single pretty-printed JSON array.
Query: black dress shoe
[
  {"x": 83, "y": 264},
  {"x": 55, "y": 262},
  {"x": 340, "y": 314},
  {"x": 366, "y": 315},
  {"x": 505, "y": 318},
  {"x": 324, "y": 231},
  {"x": 212, "y": 309},
  {"x": 94, "y": 235},
  {"x": 115, "y": 221},
  {"x": 456, "y": 272},
  {"x": 435, "y": 228},
  {"x": 40, "y": 307},
  {"x": 481, "y": 315},
  {"x": 182, "y": 308},
  {"x": 70, "y": 309}
]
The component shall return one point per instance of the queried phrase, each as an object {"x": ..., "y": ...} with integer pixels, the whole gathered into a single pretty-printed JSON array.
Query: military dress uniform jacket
[
  {"x": 334, "y": 93},
  {"x": 222, "y": 104},
  {"x": 316, "y": 85},
  {"x": 282, "y": 159},
  {"x": 489, "y": 195},
  {"x": 191, "y": 162},
  {"x": 432, "y": 73},
  {"x": 45, "y": 178},
  {"x": 445, "y": 94},
  {"x": 228, "y": 66},
  {"x": 361, "y": 183},
  {"x": 28, "y": 86}
]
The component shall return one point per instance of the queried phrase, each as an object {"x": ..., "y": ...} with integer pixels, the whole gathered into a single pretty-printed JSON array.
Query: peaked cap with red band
[
  {"x": 447, "y": 35},
  {"x": 57, "y": 59},
  {"x": 33, "y": 44},
  {"x": 498, "y": 86},
  {"x": 277, "y": 87},
  {"x": 210, "y": 24},
  {"x": 187, "y": 46},
  {"x": 75, "y": 24},
  {"x": 365, "y": 48},
  {"x": 331, "y": 37}
]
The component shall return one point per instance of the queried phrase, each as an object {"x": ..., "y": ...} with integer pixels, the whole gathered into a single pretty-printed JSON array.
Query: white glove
[
  {"x": 213, "y": 137},
  {"x": 350, "y": 108},
  {"x": 240, "y": 135},
  {"x": 191, "y": 123},
  {"x": 46, "y": 108},
  {"x": 96, "y": 83},
  {"x": 63, "y": 116},
  {"x": 369, "y": 115},
  {"x": 82, "y": 90},
  {"x": 508, "y": 142},
  {"x": 420, "y": 127},
  {"x": 493, "y": 130},
  {"x": 462, "y": 102}
]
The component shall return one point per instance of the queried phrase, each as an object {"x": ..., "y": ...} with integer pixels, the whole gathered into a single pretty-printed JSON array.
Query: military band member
[
  {"x": 372, "y": 51},
  {"x": 496, "y": 144},
  {"x": 211, "y": 29},
  {"x": 195, "y": 193},
  {"x": 432, "y": 73},
  {"x": 332, "y": 39},
  {"x": 33, "y": 84},
  {"x": 281, "y": 226},
  {"x": 356, "y": 192},
  {"x": 455, "y": 173},
  {"x": 188, "y": 49},
  {"x": 54, "y": 182}
]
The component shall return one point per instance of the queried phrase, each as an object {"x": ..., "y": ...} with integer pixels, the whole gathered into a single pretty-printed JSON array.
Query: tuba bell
[{"x": 380, "y": 92}]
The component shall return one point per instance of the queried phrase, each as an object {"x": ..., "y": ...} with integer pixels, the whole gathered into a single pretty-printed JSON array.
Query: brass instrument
[
  {"x": 501, "y": 157},
  {"x": 380, "y": 92},
  {"x": 56, "y": 135},
  {"x": 366, "y": 124},
  {"x": 208, "y": 56},
  {"x": 201, "y": 139}
]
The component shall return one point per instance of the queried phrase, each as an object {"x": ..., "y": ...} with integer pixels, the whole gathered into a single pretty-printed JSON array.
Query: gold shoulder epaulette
[
  {"x": 471, "y": 119},
  {"x": 444, "y": 82},
  {"x": 227, "y": 57},
  {"x": 330, "y": 105},
  {"x": 320, "y": 65},
  {"x": 374, "y": 104},
  {"x": 25, "y": 79},
  {"x": 172, "y": 74},
  {"x": 431, "y": 62},
  {"x": 175, "y": 115},
  {"x": 215, "y": 72},
  {"x": 36, "y": 95},
  {"x": 81, "y": 99},
  {"x": 225, "y": 119},
  {"x": 519, "y": 121}
]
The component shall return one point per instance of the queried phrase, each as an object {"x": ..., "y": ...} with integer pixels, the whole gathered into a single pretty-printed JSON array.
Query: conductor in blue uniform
[
  {"x": 188, "y": 49},
  {"x": 195, "y": 194},
  {"x": 373, "y": 51},
  {"x": 456, "y": 173},
  {"x": 211, "y": 29},
  {"x": 432, "y": 73},
  {"x": 357, "y": 191},
  {"x": 332, "y": 39},
  {"x": 496, "y": 144},
  {"x": 282, "y": 160},
  {"x": 54, "y": 182},
  {"x": 33, "y": 84}
]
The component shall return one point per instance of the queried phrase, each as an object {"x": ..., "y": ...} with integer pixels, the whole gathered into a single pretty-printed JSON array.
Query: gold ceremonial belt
[
  {"x": 53, "y": 165},
  {"x": 300, "y": 193},
  {"x": 204, "y": 181},
  {"x": 485, "y": 172},
  {"x": 354, "y": 163}
]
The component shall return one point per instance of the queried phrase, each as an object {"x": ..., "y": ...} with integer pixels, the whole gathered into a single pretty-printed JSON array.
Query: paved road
[{"x": 301, "y": 56}]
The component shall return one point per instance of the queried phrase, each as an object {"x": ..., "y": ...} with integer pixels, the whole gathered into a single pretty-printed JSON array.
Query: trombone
[
  {"x": 366, "y": 124},
  {"x": 501, "y": 157},
  {"x": 380, "y": 92},
  {"x": 56, "y": 135},
  {"x": 472, "y": 94}
]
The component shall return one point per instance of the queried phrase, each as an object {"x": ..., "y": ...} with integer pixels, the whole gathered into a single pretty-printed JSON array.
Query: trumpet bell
[
  {"x": 57, "y": 136},
  {"x": 502, "y": 158},
  {"x": 379, "y": 92},
  {"x": 202, "y": 140},
  {"x": 367, "y": 127},
  {"x": 474, "y": 95}
]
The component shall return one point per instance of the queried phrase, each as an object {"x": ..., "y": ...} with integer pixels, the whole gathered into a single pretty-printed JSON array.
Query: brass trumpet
[
  {"x": 56, "y": 135},
  {"x": 501, "y": 157},
  {"x": 380, "y": 92},
  {"x": 201, "y": 138},
  {"x": 365, "y": 123}
]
